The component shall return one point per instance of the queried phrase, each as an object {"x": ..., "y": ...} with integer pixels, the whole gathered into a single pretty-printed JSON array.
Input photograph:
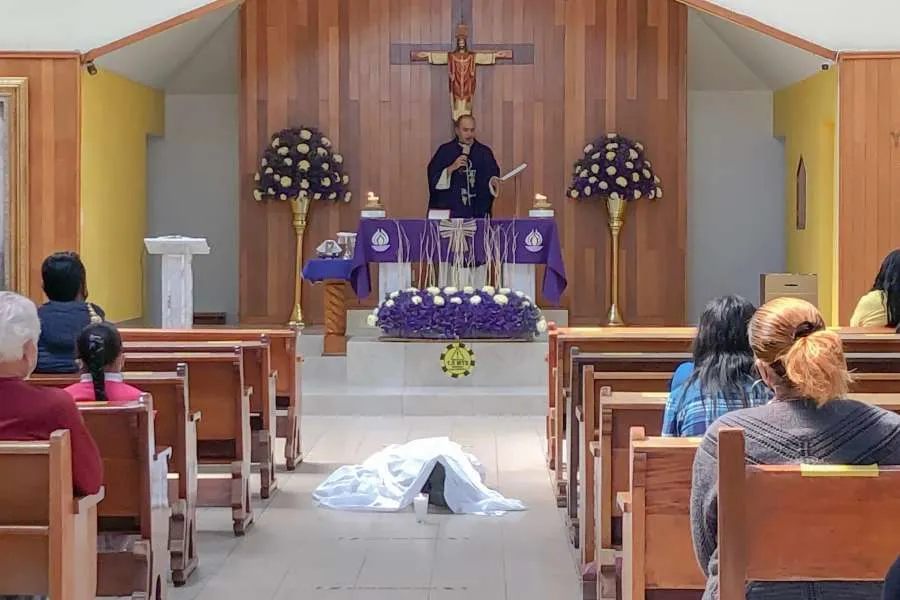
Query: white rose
[
  {"x": 587, "y": 190},
  {"x": 434, "y": 291},
  {"x": 345, "y": 179},
  {"x": 325, "y": 166},
  {"x": 622, "y": 182},
  {"x": 321, "y": 151},
  {"x": 456, "y": 300},
  {"x": 652, "y": 194},
  {"x": 639, "y": 145},
  {"x": 595, "y": 168},
  {"x": 304, "y": 165},
  {"x": 270, "y": 191},
  {"x": 304, "y": 184},
  {"x": 283, "y": 150},
  {"x": 610, "y": 155},
  {"x": 592, "y": 179},
  {"x": 475, "y": 299},
  {"x": 469, "y": 289},
  {"x": 326, "y": 142},
  {"x": 542, "y": 325},
  {"x": 584, "y": 173},
  {"x": 610, "y": 170},
  {"x": 588, "y": 148},
  {"x": 375, "y": 311},
  {"x": 347, "y": 197},
  {"x": 285, "y": 182},
  {"x": 501, "y": 299},
  {"x": 520, "y": 293},
  {"x": 488, "y": 289},
  {"x": 596, "y": 155},
  {"x": 326, "y": 181},
  {"x": 275, "y": 142},
  {"x": 659, "y": 192},
  {"x": 269, "y": 170},
  {"x": 574, "y": 193},
  {"x": 412, "y": 289},
  {"x": 637, "y": 194},
  {"x": 257, "y": 195},
  {"x": 450, "y": 290},
  {"x": 303, "y": 148},
  {"x": 282, "y": 196},
  {"x": 389, "y": 303},
  {"x": 394, "y": 294},
  {"x": 338, "y": 158},
  {"x": 317, "y": 196},
  {"x": 439, "y": 301},
  {"x": 306, "y": 134},
  {"x": 612, "y": 146},
  {"x": 603, "y": 185},
  {"x": 416, "y": 299},
  {"x": 526, "y": 304},
  {"x": 611, "y": 136},
  {"x": 256, "y": 177},
  {"x": 647, "y": 164},
  {"x": 633, "y": 154},
  {"x": 656, "y": 180},
  {"x": 635, "y": 177},
  {"x": 614, "y": 196},
  {"x": 264, "y": 162},
  {"x": 288, "y": 161},
  {"x": 504, "y": 291},
  {"x": 646, "y": 173},
  {"x": 629, "y": 164},
  {"x": 332, "y": 196},
  {"x": 371, "y": 320}
]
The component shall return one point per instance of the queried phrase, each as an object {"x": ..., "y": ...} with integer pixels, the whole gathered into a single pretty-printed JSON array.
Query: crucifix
[{"x": 462, "y": 60}]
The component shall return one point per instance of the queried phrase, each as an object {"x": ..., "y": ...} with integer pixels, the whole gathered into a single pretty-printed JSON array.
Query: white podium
[{"x": 177, "y": 277}]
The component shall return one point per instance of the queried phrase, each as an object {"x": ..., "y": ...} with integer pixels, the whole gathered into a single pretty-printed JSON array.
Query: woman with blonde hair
[{"x": 810, "y": 420}]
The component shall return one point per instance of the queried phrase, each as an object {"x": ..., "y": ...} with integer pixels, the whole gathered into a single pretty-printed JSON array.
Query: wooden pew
[
  {"x": 258, "y": 374},
  {"x": 215, "y": 389},
  {"x": 175, "y": 426},
  {"x": 759, "y": 505},
  {"x": 286, "y": 362},
  {"x": 48, "y": 536},
  {"x": 657, "y": 548},
  {"x": 133, "y": 526}
]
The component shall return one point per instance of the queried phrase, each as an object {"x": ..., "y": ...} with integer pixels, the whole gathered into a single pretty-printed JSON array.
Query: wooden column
[{"x": 335, "y": 318}]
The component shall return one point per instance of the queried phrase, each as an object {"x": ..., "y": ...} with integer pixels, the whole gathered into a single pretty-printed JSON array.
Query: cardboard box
[{"x": 790, "y": 285}]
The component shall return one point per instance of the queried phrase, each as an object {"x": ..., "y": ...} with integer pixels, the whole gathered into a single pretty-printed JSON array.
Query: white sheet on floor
[{"x": 390, "y": 479}]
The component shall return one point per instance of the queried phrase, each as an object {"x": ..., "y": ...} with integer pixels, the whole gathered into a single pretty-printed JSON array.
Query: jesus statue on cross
[{"x": 461, "y": 66}]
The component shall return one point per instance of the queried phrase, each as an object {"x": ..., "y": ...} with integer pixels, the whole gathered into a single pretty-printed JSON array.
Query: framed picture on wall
[
  {"x": 14, "y": 184},
  {"x": 801, "y": 195}
]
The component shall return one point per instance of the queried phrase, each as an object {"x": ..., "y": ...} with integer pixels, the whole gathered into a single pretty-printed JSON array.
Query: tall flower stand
[{"x": 333, "y": 273}]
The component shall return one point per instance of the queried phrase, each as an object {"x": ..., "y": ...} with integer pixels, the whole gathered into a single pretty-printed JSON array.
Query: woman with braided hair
[{"x": 100, "y": 354}]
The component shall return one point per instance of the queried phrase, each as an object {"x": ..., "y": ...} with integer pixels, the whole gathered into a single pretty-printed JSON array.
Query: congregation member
[
  {"x": 880, "y": 307},
  {"x": 810, "y": 420},
  {"x": 101, "y": 357},
  {"x": 892, "y": 582},
  {"x": 722, "y": 376},
  {"x": 65, "y": 314},
  {"x": 31, "y": 413}
]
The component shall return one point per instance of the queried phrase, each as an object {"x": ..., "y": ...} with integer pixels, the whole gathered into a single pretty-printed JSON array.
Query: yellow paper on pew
[{"x": 839, "y": 470}]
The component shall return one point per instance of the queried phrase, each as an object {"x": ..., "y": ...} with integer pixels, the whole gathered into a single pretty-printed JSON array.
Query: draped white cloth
[{"x": 390, "y": 479}]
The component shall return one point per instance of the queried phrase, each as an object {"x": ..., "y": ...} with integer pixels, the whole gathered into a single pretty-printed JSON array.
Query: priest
[{"x": 463, "y": 175}]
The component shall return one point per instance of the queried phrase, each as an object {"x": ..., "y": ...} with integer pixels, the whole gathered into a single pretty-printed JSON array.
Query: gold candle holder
[
  {"x": 373, "y": 202},
  {"x": 541, "y": 203},
  {"x": 615, "y": 209},
  {"x": 300, "y": 210}
]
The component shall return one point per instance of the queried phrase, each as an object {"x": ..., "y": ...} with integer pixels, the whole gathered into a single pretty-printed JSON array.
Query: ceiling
[{"x": 201, "y": 57}]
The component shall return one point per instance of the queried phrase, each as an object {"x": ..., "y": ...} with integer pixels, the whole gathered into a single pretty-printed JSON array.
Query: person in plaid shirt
[{"x": 722, "y": 376}]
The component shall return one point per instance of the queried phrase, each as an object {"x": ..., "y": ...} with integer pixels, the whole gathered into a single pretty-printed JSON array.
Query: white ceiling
[
  {"x": 725, "y": 56},
  {"x": 81, "y": 25}
]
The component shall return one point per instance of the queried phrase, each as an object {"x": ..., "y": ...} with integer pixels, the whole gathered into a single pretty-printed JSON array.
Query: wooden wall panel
[
  {"x": 869, "y": 158},
  {"x": 54, "y": 153},
  {"x": 599, "y": 65}
]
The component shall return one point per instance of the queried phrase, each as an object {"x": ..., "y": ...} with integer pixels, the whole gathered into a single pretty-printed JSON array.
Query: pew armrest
[
  {"x": 82, "y": 505},
  {"x": 195, "y": 416},
  {"x": 623, "y": 500},
  {"x": 595, "y": 449},
  {"x": 165, "y": 454}
]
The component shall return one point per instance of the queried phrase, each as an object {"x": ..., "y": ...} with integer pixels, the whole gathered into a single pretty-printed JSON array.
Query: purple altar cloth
[
  {"x": 320, "y": 269},
  {"x": 522, "y": 241}
]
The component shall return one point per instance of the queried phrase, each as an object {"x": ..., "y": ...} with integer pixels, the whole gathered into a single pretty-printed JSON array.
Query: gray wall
[
  {"x": 193, "y": 190},
  {"x": 735, "y": 196}
]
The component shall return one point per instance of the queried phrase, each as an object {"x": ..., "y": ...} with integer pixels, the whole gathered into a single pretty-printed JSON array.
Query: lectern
[{"x": 177, "y": 277}]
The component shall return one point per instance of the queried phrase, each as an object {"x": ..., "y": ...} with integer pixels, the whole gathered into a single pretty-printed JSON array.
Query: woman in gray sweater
[{"x": 810, "y": 421}]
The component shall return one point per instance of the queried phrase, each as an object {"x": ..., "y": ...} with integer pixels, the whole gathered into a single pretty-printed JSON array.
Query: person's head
[
  {"x": 888, "y": 281},
  {"x": 723, "y": 360},
  {"x": 465, "y": 129},
  {"x": 65, "y": 279},
  {"x": 20, "y": 329},
  {"x": 100, "y": 351},
  {"x": 795, "y": 354}
]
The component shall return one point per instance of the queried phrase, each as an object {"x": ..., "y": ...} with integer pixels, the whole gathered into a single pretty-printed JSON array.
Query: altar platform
[{"x": 381, "y": 377}]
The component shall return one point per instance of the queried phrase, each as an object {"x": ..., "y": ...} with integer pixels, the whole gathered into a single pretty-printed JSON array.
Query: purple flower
[{"x": 614, "y": 166}]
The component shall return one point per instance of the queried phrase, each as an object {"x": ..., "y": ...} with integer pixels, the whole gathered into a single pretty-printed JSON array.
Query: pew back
[
  {"x": 839, "y": 536},
  {"x": 657, "y": 549}
]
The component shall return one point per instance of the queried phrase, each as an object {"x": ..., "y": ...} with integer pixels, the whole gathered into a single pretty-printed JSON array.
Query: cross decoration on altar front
[{"x": 462, "y": 59}]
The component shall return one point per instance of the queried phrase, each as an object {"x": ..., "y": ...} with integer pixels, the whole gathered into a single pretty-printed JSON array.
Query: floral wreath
[{"x": 301, "y": 163}]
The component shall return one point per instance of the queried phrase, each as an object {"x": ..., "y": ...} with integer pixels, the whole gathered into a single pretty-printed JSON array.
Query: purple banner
[{"x": 521, "y": 241}]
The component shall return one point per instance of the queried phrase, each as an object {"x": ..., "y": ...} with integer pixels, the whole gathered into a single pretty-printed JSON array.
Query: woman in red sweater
[{"x": 100, "y": 353}]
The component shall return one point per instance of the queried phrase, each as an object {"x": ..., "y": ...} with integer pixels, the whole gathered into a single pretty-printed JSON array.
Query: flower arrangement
[
  {"x": 450, "y": 313},
  {"x": 614, "y": 167},
  {"x": 301, "y": 163}
]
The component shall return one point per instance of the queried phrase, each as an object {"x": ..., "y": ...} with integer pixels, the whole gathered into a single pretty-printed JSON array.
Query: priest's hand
[
  {"x": 494, "y": 185},
  {"x": 460, "y": 163}
]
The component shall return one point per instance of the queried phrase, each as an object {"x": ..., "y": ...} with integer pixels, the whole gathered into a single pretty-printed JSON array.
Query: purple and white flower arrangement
[
  {"x": 614, "y": 167},
  {"x": 451, "y": 313},
  {"x": 300, "y": 162}
]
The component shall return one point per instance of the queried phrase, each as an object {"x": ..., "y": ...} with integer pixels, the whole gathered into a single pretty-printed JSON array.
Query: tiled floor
[{"x": 298, "y": 551}]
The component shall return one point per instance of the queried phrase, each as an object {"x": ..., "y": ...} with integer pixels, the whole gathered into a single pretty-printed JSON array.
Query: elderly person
[{"x": 29, "y": 412}]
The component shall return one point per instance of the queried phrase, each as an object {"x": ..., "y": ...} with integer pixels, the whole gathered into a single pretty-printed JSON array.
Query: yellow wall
[
  {"x": 805, "y": 116},
  {"x": 117, "y": 116}
]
